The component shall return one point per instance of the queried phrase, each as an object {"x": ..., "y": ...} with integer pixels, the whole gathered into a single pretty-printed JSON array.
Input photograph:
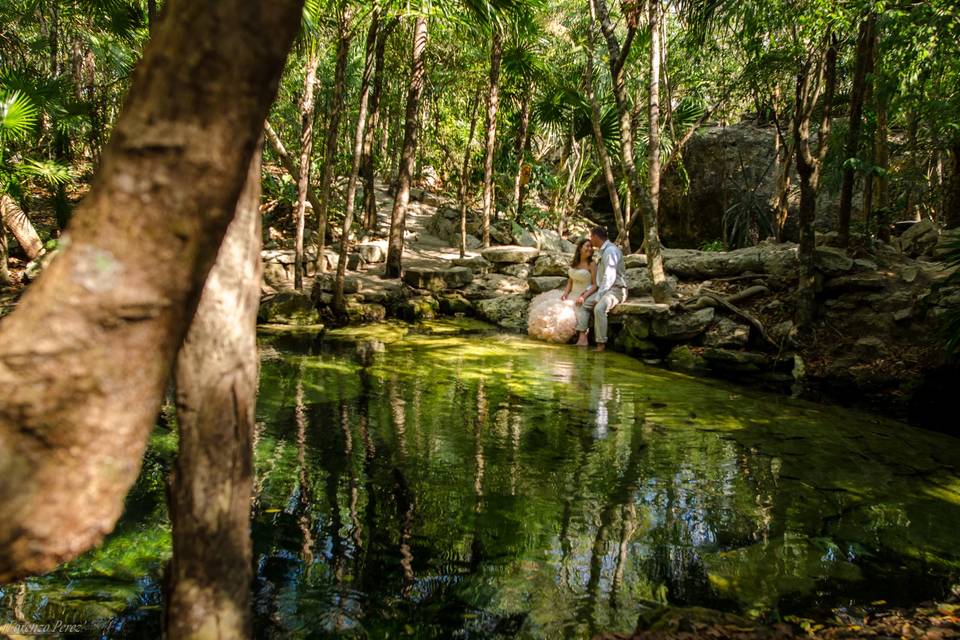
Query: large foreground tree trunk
[
  {"x": 951, "y": 219},
  {"x": 14, "y": 219},
  {"x": 493, "y": 105},
  {"x": 864, "y": 64},
  {"x": 216, "y": 378},
  {"x": 4, "y": 257},
  {"x": 368, "y": 65},
  {"x": 333, "y": 132},
  {"x": 86, "y": 356},
  {"x": 398, "y": 217},
  {"x": 303, "y": 179}
]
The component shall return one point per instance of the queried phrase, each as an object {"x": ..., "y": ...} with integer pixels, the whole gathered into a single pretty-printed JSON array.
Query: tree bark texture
[
  {"x": 14, "y": 219},
  {"x": 216, "y": 379},
  {"x": 465, "y": 174},
  {"x": 606, "y": 165},
  {"x": 490, "y": 131},
  {"x": 816, "y": 78},
  {"x": 651, "y": 213},
  {"x": 333, "y": 131},
  {"x": 864, "y": 64},
  {"x": 4, "y": 257},
  {"x": 520, "y": 151},
  {"x": 303, "y": 179},
  {"x": 369, "y": 147},
  {"x": 398, "y": 217},
  {"x": 86, "y": 356},
  {"x": 280, "y": 150},
  {"x": 368, "y": 65}
]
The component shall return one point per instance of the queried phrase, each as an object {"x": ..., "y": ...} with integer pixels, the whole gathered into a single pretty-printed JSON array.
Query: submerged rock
[{"x": 288, "y": 307}]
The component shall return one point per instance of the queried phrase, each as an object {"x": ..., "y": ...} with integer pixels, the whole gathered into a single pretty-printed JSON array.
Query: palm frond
[{"x": 18, "y": 115}]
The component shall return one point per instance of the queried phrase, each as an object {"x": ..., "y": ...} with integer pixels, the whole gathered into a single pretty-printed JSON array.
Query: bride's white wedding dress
[{"x": 555, "y": 320}]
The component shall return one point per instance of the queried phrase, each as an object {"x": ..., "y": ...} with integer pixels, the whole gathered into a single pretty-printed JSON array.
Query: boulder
[
  {"x": 436, "y": 280},
  {"x": 507, "y": 311},
  {"x": 288, "y": 307},
  {"x": 920, "y": 239},
  {"x": 858, "y": 282},
  {"x": 635, "y": 261},
  {"x": 683, "y": 358},
  {"x": 550, "y": 240},
  {"x": 646, "y": 308},
  {"x": 500, "y": 235},
  {"x": 418, "y": 308},
  {"x": 478, "y": 264},
  {"x": 552, "y": 264},
  {"x": 454, "y": 303},
  {"x": 545, "y": 283},
  {"x": 831, "y": 261},
  {"x": 686, "y": 326},
  {"x": 738, "y": 362},
  {"x": 511, "y": 254},
  {"x": 326, "y": 282},
  {"x": 373, "y": 252},
  {"x": 365, "y": 312},
  {"x": 382, "y": 292},
  {"x": 515, "y": 270},
  {"x": 528, "y": 239},
  {"x": 727, "y": 334},
  {"x": 639, "y": 283},
  {"x": 778, "y": 260},
  {"x": 473, "y": 242},
  {"x": 947, "y": 238},
  {"x": 492, "y": 285},
  {"x": 632, "y": 338},
  {"x": 355, "y": 261}
]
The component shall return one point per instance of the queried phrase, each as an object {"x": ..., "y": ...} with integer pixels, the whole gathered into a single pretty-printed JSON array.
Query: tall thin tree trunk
[
  {"x": 369, "y": 140},
  {"x": 519, "y": 150},
  {"x": 333, "y": 132},
  {"x": 813, "y": 79},
  {"x": 398, "y": 217},
  {"x": 465, "y": 174},
  {"x": 14, "y": 219},
  {"x": 369, "y": 61},
  {"x": 864, "y": 63},
  {"x": 303, "y": 179},
  {"x": 107, "y": 317},
  {"x": 661, "y": 289},
  {"x": 882, "y": 210},
  {"x": 493, "y": 104},
  {"x": 216, "y": 378},
  {"x": 605, "y": 163}
]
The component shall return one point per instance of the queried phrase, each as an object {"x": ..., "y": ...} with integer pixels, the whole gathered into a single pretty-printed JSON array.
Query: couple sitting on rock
[{"x": 592, "y": 287}]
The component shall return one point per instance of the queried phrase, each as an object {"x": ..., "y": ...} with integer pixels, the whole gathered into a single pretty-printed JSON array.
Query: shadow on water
[{"x": 442, "y": 483}]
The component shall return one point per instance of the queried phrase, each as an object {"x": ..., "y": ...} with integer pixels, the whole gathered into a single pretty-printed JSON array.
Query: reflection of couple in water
[{"x": 593, "y": 287}]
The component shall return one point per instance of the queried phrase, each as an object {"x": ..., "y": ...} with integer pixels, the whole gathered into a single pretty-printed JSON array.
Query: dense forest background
[{"x": 519, "y": 113}]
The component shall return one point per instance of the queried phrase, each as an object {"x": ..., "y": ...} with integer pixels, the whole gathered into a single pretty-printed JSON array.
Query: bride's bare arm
[{"x": 566, "y": 290}]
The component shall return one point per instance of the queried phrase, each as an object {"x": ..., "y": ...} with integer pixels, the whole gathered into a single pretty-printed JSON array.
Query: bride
[{"x": 552, "y": 315}]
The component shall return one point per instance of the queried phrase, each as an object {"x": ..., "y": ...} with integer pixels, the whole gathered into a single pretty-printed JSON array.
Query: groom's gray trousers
[{"x": 600, "y": 306}]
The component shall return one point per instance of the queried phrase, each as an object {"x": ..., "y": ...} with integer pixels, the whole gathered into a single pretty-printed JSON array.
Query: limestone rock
[
  {"x": 920, "y": 239},
  {"x": 437, "y": 280},
  {"x": 632, "y": 338},
  {"x": 528, "y": 239},
  {"x": 635, "y": 261},
  {"x": 552, "y": 264},
  {"x": 644, "y": 307},
  {"x": 365, "y": 312},
  {"x": 454, "y": 303},
  {"x": 858, "y": 281},
  {"x": 326, "y": 282},
  {"x": 507, "y": 311},
  {"x": 727, "y": 334},
  {"x": 288, "y": 307},
  {"x": 515, "y": 270},
  {"x": 550, "y": 240},
  {"x": 492, "y": 285},
  {"x": 640, "y": 284},
  {"x": 683, "y": 358},
  {"x": 737, "y": 362},
  {"x": 373, "y": 252},
  {"x": 947, "y": 238},
  {"x": 545, "y": 283},
  {"x": 511, "y": 254},
  {"x": 682, "y": 327},
  {"x": 500, "y": 235},
  {"x": 832, "y": 261},
  {"x": 419, "y": 308},
  {"x": 478, "y": 264}
]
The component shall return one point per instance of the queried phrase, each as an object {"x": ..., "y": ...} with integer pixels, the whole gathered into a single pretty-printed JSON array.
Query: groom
[{"x": 611, "y": 289}]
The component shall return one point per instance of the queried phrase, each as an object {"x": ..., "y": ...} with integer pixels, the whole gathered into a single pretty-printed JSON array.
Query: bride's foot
[
  {"x": 601, "y": 346},
  {"x": 582, "y": 342}
]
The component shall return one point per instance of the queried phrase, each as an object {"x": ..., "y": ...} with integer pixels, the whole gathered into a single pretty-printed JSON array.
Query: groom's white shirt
[{"x": 611, "y": 271}]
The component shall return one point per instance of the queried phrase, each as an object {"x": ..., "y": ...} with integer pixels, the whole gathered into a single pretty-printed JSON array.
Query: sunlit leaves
[{"x": 18, "y": 116}]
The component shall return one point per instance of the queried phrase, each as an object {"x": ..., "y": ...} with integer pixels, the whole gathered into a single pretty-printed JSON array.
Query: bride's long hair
[{"x": 576, "y": 252}]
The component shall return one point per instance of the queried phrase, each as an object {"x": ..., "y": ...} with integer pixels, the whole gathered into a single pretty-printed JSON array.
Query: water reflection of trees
[{"x": 455, "y": 485}]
